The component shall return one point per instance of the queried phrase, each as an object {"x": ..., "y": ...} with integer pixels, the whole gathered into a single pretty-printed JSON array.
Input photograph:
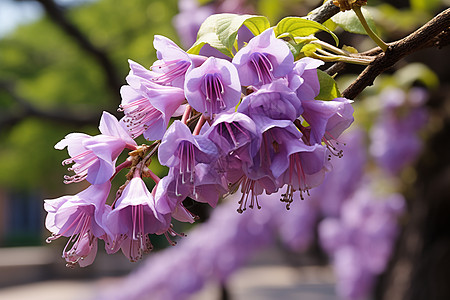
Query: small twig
[{"x": 372, "y": 35}]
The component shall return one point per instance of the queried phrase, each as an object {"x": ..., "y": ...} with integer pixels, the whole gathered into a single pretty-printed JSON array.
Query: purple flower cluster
[
  {"x": 251, "y": 123},
  {"x": 395, "y": 142},
  {"x": 361, "y": 240}
]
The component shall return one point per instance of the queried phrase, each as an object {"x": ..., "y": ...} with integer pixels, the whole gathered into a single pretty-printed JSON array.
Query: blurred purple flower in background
[
  {"x": 395, "y": 141},
  {"x": 215, "y": 249},
  {"x": 361, "y": 240}
]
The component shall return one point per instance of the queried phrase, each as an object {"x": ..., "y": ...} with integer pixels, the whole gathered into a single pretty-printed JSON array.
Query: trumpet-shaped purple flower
[
  {"x": 231, "y": 131},
  {"x": 263, "y": 59},
  {"x": 303, "y": 78},
  {"x": 274, "y": 101},
  {"x": 327, "y": 119},
  {"x": 213, "y": 87},
  {"x": 79, "y": 217},
  {"x": 271, "y": 160},
  {"x": 306, "y": 169},
  {"x": 181, "y": 150},
  {"x": 173, "y": 62},
  {"x": 95, "y": 157},
  {"x": 133, "y": 218},
  {"x": 148, "y": 106}
]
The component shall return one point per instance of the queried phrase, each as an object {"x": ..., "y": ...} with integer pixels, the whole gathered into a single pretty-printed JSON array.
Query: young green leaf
[
  {"x": 328, "y": 87},
  {"x": 220, "y": 31},
  {"x": 300, "y": 27},
  {"x": 207, "y": 34},
  {"x": 348, "y": 21}
]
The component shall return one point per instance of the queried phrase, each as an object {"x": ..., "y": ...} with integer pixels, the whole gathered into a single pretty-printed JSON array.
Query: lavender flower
[
  {"x": 173, "y": 62},
  {"x": 231, "y": 131},
  {"x": 213, "y": 87},
  {"x": 306, "y": 169},
  {"x": 303, "y": 78},
  {"x": 395, "y": 142},
  {"x": 95, "y": 157},
  {"x": 273, "y": 101},
  {"x": 361, "y": 241},
  {"x": 183, "y": 151},
  {"x": 263, "y": 59},
  {"x": 327, "y": 119},
  {"x": 148, "y": 106},
  {"x": 79, "y": 217},
  {"x": 133, "y": 217}
]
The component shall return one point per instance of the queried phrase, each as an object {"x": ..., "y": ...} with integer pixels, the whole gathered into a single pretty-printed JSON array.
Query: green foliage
[
  {"x": 392, "y": 20},
  {"x": 28, "y": 158},
  {"x": 299, "y": 27},
  {"x": 220, "y": 31},
  {"x": 425, "y": 5},
  {"x": 348, "y": 21},
  {"x": 328, "y": 87},
  {"x": 271, "y": 9},
  {"x": 417, "y": 72}
]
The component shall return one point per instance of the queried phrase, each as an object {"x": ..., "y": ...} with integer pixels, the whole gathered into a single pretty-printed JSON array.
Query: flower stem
[
  {"x": 325, "y": 56},
  {"x": 373, "y": 36},
  {"x": 199, "y": 125},
  {"x": 186, "y": 114}
]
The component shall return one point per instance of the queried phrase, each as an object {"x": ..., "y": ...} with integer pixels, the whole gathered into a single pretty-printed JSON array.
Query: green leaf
[
  {"x": 220, "y": 31},
  {"x": 348, "y": 21},
  {"x": 207, "y": 35},
  {"x": 417, "y": 72},
  {"x": 310, "y": 49},
  {"x": 424, "y": 5},
  {"x": 300, "y": 27},
  {"x": 328, "y": 87},
  {"x": 330, "y": 24}
]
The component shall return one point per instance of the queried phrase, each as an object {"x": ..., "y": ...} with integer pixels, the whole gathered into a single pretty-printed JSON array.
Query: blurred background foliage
[{"x": 42, "y": 66}]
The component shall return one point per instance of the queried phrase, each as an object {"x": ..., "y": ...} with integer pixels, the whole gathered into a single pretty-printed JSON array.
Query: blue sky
[{"x": 14, "y": 13}]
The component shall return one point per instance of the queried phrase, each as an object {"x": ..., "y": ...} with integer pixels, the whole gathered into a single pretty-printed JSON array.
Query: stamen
[
  {"x": 141, "y": 118},
  {"x": 170, "y": 231},
  {"x": 214, "y": 91},
  {"x": 174, "y": 69},
  {"x": 247, "y": 187},
  {"x": 263, "y": 67}
]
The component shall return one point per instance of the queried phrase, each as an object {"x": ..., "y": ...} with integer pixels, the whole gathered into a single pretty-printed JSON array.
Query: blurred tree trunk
[{"x": 420, "y": 269}]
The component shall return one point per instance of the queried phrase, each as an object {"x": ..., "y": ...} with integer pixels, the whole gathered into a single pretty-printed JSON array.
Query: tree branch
[
  {"x": 324, "y": 12},
  {"x": 26, "y": 109},
  {"x": 58, "y": 16},
  {"x": 435, "y": 33}
]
